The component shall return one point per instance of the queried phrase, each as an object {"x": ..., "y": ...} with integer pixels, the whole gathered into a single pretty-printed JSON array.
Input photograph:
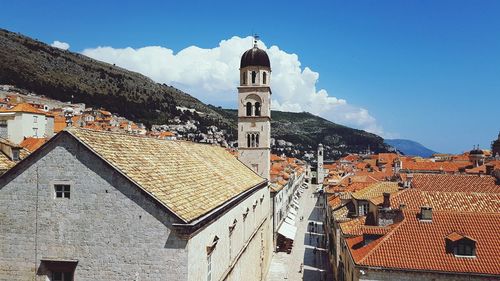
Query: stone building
[
  {"x": 91, "y": 205},
  {"x": 254, "y": 111},
  {"x": 23, "y": 120},
  {"x": 444, "y": 227}
]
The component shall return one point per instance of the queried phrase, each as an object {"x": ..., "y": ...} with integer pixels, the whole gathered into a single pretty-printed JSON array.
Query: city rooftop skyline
[{"x": 425, "y": 71}]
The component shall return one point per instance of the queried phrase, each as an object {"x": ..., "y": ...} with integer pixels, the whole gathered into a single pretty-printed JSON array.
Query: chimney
[
  {"x": 489, "y": 168},
  {"x": 387, "y": 201},
  {"x": 426, "y": 213}
]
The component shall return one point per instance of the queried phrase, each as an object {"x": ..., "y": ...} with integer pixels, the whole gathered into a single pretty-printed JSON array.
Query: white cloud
[
  {"x": 212, "y": 76},
  {"x": 60, "y": 45}
]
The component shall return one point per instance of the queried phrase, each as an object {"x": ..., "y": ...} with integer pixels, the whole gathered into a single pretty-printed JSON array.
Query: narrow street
[{"x": 309, "y": 247}]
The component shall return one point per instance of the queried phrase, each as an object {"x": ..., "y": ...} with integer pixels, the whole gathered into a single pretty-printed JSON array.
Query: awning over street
[
  {"x": 289, "y": 221},
  {"x": 288, "y": 231}
]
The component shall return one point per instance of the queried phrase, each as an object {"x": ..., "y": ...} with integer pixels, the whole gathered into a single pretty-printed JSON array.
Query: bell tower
[{"x": 254, "y": 111}]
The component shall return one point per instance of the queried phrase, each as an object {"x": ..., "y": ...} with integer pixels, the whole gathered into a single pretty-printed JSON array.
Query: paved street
[{"x": 308, "y": 238}]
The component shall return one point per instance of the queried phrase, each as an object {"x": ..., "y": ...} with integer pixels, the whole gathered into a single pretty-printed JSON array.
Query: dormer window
[
  {"x": 15, "y": 154},
  {"x": 461, "y": 245}
]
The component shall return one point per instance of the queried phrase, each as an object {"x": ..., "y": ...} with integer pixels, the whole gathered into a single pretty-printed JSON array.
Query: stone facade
[
  {"x": 254, "y": 119},
  {"x": 114, "y": 230}
]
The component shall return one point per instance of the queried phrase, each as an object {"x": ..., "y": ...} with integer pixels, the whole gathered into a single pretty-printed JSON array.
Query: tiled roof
[
  {"x": 340, "y": 214},
  {"x": 416, "y": 245},
  {"x": 190, "y": 179},
  {"x": 434, "y": 166},
  {"x": 353, "y": 227},
  {"x": 413, "y": 199},
  {"x": 32, "y": 144},
  {"x": 375, "y": 190},
  {"x": 24, "y": 107},
  {"x": 454, "y": 183},
  {"x": 482, "y": 169}
]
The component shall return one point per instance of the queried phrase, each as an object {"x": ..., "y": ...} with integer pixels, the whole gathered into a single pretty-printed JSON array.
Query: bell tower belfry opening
[{"x": 254, "y": 111}]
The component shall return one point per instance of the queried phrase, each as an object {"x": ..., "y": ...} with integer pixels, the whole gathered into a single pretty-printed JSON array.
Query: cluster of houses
[
  {"x": 95, "y": 203},
  {"x": 393, "y": 217},
  {"x": 88, "y": 195}
]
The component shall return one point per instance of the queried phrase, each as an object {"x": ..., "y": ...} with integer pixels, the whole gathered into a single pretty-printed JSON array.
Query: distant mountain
[
  {"x": 66, "y": 76},
  {"x": 409, "y": 147}
]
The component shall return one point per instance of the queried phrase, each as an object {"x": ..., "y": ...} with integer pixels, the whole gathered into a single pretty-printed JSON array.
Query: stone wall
[
  {"x": 114, "y": 230},
  {"x": 241, "y": 254}
]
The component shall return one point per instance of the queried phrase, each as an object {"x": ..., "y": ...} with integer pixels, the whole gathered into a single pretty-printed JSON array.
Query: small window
[
  {"x": 35, "y": 132},
  {"x": 257, "y": 109},
  {"x": 15, "y": 154},
  {"x": 249, "y": 109},
  {"x": 62, "y": 190},
  {"x": 62, "y": 276},
  {"x": 465, "y": 248},
  {"x": 264, "y": 77},
  {"x": 35, "y": 119},
  {"x": 244, "y": 78},
  {"x": 254, "y": 75}
]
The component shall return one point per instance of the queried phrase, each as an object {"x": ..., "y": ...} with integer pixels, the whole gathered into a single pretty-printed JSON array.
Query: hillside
[
  {"x": 67, "y": 76},
  {"x": 409, "y": 147},
  {"x": 307, "y": 130}
]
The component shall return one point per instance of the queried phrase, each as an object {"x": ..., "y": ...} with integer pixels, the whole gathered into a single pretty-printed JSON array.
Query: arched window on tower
[
  {"x": 244, "y": 78},
  {"x": 264, "y": 78},
  {"x": 254, "y": 75},
  {"x": 249, "y": 109},
  {"x": 253, "y": 140},
  {"x": 257, "y": 109},
  {"x": 248, "y": 140},
  {"x": 257, "y": 140}
]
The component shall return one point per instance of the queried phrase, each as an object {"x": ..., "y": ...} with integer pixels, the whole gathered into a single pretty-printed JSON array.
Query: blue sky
[{"x": 424, "y": 70}]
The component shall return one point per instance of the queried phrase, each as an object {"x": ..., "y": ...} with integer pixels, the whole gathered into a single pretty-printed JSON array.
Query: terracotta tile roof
[
  {"x": 24, "y": 107},
  {"x": 351, "y": 158},
  {"x": 435, "y": 166},
  {"x": 482, "y": 169},
  {"x": 416, "y": 245},
  {"x": 340, "y": 214},
  {"x": 178, "y": 174},
  {"x": 455, "y": 236},
  {"x": 353, "y": 227},
  {"x": 334, "y": 201},
  {"x": 413, "y": 199},
  {"x": 32, "y": 144},
  {"x": 455, "y": 183},
  {"x": 387, "y": 158},
  {"x": 375, "y": 190}
]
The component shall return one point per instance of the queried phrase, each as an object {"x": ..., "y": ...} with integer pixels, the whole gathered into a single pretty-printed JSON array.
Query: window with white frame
[
  {"x": 362, "y": 208},
  {"x": 35, "y": 119},
  {"x": 62, "y": 190}
]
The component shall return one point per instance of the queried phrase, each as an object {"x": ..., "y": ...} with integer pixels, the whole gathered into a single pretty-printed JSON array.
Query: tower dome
[{"x": 255, "y": 57}]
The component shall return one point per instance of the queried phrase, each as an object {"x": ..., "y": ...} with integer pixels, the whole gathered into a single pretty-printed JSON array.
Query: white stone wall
[
  {"x": 243, "y": 254},
  {"x": 23, "y": 125},
  {"x": 112, "y": 229}
]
